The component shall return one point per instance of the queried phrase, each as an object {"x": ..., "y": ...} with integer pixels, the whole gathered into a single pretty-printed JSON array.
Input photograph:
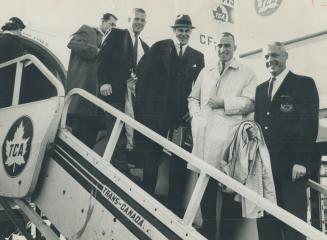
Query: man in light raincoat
[{"x": 221, "y": 98}]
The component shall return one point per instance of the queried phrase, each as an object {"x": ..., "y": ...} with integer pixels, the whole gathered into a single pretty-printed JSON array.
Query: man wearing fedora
[{"x": 170, "y": 71}]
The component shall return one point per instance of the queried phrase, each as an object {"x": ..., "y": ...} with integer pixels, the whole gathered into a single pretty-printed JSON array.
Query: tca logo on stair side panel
[{"x": 16, "y": 147}]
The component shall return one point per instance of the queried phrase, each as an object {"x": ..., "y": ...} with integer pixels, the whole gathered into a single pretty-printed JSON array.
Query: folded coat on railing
[{"x": 249, "y": 163}]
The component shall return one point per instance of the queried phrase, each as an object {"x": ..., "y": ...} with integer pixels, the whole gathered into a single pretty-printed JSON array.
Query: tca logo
[{"x": 16, "y": 147}]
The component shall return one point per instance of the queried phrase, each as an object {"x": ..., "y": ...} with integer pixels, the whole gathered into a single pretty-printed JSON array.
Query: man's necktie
[
  {"x": 135, "y": 51},
  {"x": 180, "y": 54},
  {"x": 222, "y": 68},
  {"x": 271, "y": 86}
]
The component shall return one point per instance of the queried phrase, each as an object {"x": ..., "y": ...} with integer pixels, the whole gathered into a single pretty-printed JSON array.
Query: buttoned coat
[
  {"x": 154, "y": 91},
  {"x": 115, "y": 61},
  {"x": 289, "y": 122},
  {"x": 84, "y": 46}
]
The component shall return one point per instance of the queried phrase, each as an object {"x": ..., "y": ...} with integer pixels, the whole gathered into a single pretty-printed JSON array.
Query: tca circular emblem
[
  {"x": 16, "y": 147},
  {"x": 266, "y": 7},
  {"x": 221, "y": 13}
]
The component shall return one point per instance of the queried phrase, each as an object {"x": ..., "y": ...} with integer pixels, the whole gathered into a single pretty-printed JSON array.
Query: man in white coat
[{"x": 221, "y": 98}]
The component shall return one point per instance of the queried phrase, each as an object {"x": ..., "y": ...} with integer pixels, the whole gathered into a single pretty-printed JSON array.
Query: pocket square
[{"x": 194, "y": 65}]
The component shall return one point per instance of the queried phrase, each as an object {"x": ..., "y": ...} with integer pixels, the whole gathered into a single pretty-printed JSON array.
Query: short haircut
[
  {"x": 141, "y": 10},
  {"x": 107, "y": 16},
  {"x": 227, "y": 34},
  {"x": 278, "y": 44}
]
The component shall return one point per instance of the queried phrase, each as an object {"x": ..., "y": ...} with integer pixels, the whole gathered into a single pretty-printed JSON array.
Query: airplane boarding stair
[{"x": 79, "y": 191}]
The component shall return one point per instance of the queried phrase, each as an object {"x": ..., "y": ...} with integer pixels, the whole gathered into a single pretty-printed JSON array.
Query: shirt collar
[
  {"x": 107, "y": 33},
  {"x": 131, "y": 32},
  {"x": 177, "y": 45},
  {"x": 282, "y": 75},
  {"x": 233, "y": 63},
  {"x": 100, "y": 31}
]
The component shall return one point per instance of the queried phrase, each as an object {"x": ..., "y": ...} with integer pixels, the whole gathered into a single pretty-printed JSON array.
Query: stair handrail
[{"x": 206, "y": 169}]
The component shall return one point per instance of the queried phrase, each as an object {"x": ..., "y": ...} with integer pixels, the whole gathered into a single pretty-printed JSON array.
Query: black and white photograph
[{"x": 154, "y": 120}]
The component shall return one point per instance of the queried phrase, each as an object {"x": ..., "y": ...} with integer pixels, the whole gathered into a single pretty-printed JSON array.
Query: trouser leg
[
  {"x": 269, "y": 227},
  {"x": 151, "y": 155},
  {"x": 85, "y": 129},
  {"x": 208, "y": 208},
  {"x": 294, "y": 199},
  {"x": 177, "y": 185}
]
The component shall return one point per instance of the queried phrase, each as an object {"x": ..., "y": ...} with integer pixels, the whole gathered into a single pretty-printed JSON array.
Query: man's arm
[
  {"x": 195, "y": 96},
  {"x": 81, "y": 46},
  {"x": 244, "y": 104},
  {"x": 307, "y": 128}
]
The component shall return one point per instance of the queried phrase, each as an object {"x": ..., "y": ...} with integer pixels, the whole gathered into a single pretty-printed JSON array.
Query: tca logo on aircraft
[
  {"x": 16, "y": 147},
  {"x": 224, "y": 11},
  {"x": 266, "y": 7}
]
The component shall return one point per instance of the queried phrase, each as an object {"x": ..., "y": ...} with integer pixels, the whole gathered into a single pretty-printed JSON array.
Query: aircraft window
[
  {"x": 35, "y": 86},
  {"x": 7, "y": 79}
]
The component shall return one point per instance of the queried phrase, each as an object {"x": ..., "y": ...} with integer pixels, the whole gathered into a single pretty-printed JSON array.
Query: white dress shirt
[
  {"x": 140, "y": 51},
  {"x": 105, "y": 35},
  {"x": 178, "y": 46},
  {"x": 279, "y": 80}
]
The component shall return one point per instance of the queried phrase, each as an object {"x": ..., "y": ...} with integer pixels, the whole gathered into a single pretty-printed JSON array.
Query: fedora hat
[
  {"x": 13, "y": 24},
  {"x": 183, "y": 20}
]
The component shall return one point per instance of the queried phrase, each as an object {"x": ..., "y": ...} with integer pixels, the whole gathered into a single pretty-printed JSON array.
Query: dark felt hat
[
  {"x": 13, "y": 24},
  {"x": 19, "y": 23},
  {"x": 183, "y": 20}
]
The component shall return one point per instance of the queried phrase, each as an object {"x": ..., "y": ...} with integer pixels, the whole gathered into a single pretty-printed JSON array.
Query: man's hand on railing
[{"x": 106, "y": 90}]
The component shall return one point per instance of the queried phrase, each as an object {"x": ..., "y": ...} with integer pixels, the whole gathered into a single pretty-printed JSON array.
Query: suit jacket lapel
[
  {"x": 144, "y": 46},
  {"x": 165, "y": 56},
  {"x": 187, "y": 53},
  {"x": 282, "y": 86},
  {"x": 107, "y": 38}
]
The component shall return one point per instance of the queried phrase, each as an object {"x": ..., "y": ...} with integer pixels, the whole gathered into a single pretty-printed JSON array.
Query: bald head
[{"x": 276, "y": 56}]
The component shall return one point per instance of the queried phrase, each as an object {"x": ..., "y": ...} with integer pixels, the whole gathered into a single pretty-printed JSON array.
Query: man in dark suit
[
  {"x": 85, "y": 45},
  {"x": 140, "y": 49},
  {"x": 286, "y": 107},
  {"x": 171, "y": 68},
  {"x": 119, "y": 66}
]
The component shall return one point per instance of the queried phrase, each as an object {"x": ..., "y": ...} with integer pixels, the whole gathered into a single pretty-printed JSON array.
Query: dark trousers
[
  {"x": 85, "y": 128},
  {"x": 177, "y": 185},
  {"x": 292, "y": 197},
  {"x": 209, "y": 209},
  {"x": 152, "y": 159}
]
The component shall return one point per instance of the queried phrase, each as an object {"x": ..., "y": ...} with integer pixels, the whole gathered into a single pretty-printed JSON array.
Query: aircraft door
[{"x": 26, "y": 129}]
